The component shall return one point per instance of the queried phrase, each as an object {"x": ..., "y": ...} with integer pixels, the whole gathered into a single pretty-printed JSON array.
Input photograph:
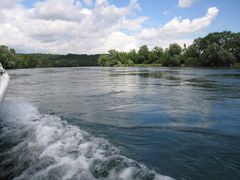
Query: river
[{"x": 121, "y": 123}]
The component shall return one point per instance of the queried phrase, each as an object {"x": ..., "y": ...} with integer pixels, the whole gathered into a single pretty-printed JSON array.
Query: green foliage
[
  {"x": 10, "y": 60},
  {"x": 7, "y": 57},
  {"x": 115, "y": 58},
  {"x": 143, "y": 55},
  {"x": 172, "y": 55},
  {"x": 215, "y": 50},
  {"x": 191, "y": 62},
  {"x": 217, "y": 56},
  {"x": 158, "y": 54},
  {"x": 52, "y": 60},
  {"x": 174, "y": 49},
  {"x": 102, "y": 60},
  {"x": 132, "y": 55},
  {"x": 171, "y": 59},
  {"x": 227, "y": 40},
  {"x": 219, "y": 49}
]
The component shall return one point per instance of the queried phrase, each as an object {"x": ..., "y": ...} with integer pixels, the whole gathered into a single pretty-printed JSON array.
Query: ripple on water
[{"x": 42, "y": 146}]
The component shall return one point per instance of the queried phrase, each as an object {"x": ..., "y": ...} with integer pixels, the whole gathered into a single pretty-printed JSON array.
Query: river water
[{"x": 121, "y": 123}]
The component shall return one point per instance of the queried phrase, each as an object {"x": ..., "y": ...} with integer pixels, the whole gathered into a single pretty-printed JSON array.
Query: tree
[
  {"x": 171, "y": 60},
  {"x": 143, "y": 54},
  {"x": 226, "y": 39},
  {"x": 7, "y": 57},
  {"x": 174, "y": 49},
  {"x": 217, "y": 56},
  {"x": 113, "y": 57},
  {"x": 102, "y": 60},
  {"x": 132, "y": 55},
  {"x": 172, "y": 55},
  {"x": 191, "y": 61},
  {"x": 157, "y": 55}
]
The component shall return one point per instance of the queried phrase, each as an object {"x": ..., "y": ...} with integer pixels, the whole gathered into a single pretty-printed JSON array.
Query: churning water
[{"x": 121, "y": 123}]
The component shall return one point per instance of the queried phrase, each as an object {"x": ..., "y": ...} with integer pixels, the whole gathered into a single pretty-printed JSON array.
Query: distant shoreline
[
  {"x": 218, "y": 49},
  {"x": 237, "y": 66}
]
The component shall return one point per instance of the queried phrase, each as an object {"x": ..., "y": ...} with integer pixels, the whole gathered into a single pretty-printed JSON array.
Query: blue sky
[
  {"x": 94, "y": 26},
  {"x": 228, "y": 17}
]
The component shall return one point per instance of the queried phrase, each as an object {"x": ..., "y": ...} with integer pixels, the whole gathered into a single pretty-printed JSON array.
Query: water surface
[{"x": 121, "y": 123}]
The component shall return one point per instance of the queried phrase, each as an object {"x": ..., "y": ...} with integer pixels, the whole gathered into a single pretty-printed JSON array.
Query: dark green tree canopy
[
  {"x": 174, "y": 49},
  {"x": 220, "y": 41},
  {"x": 10, "y": 60},
  {"x": 217, "y": 56}
]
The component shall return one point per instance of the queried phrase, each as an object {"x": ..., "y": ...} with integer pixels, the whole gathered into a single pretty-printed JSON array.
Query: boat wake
[{"x": 42, "y": 146}]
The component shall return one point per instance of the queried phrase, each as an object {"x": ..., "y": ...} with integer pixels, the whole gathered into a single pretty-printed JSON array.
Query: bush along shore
[{"x": 218, "y": 49}]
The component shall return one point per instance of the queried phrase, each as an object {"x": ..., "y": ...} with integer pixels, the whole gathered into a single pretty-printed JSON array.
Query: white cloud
[
  {"x": 120, "y": 41},
  {"x": 56, "y": 10},
  {"x": 185, "y": 3},
  {"x": 177, "y": 29},
  {"x": 133, "y": 24},
  {"x": 178, "y": 25},
  {"x": 8, "y": 3},
  {"x": 67, "y": 26}
]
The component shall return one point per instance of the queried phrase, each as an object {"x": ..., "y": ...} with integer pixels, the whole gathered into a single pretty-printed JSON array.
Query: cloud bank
[{"x": 88, "y": 26}]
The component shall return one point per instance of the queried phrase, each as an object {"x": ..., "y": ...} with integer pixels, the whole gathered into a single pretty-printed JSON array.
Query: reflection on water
[{"x": 181, "y": 122}]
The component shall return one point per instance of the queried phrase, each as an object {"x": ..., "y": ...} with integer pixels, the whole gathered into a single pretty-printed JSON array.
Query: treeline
[
  {"x": 11, "y": 60},
  {"x": 219, "y": 49},
  {"x": 51, "y": 60}
]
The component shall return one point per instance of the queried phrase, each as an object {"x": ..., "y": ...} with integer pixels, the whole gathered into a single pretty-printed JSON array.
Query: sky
[{"x": 96, "y": 26}]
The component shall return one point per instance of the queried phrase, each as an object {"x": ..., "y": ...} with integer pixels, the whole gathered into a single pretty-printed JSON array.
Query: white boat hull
[{"x": 4, "y": 81}]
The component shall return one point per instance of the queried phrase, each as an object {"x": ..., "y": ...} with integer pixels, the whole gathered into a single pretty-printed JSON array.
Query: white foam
[
  {"x": 62, "y": 150},
  {"x": 126, "y": 173}
]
